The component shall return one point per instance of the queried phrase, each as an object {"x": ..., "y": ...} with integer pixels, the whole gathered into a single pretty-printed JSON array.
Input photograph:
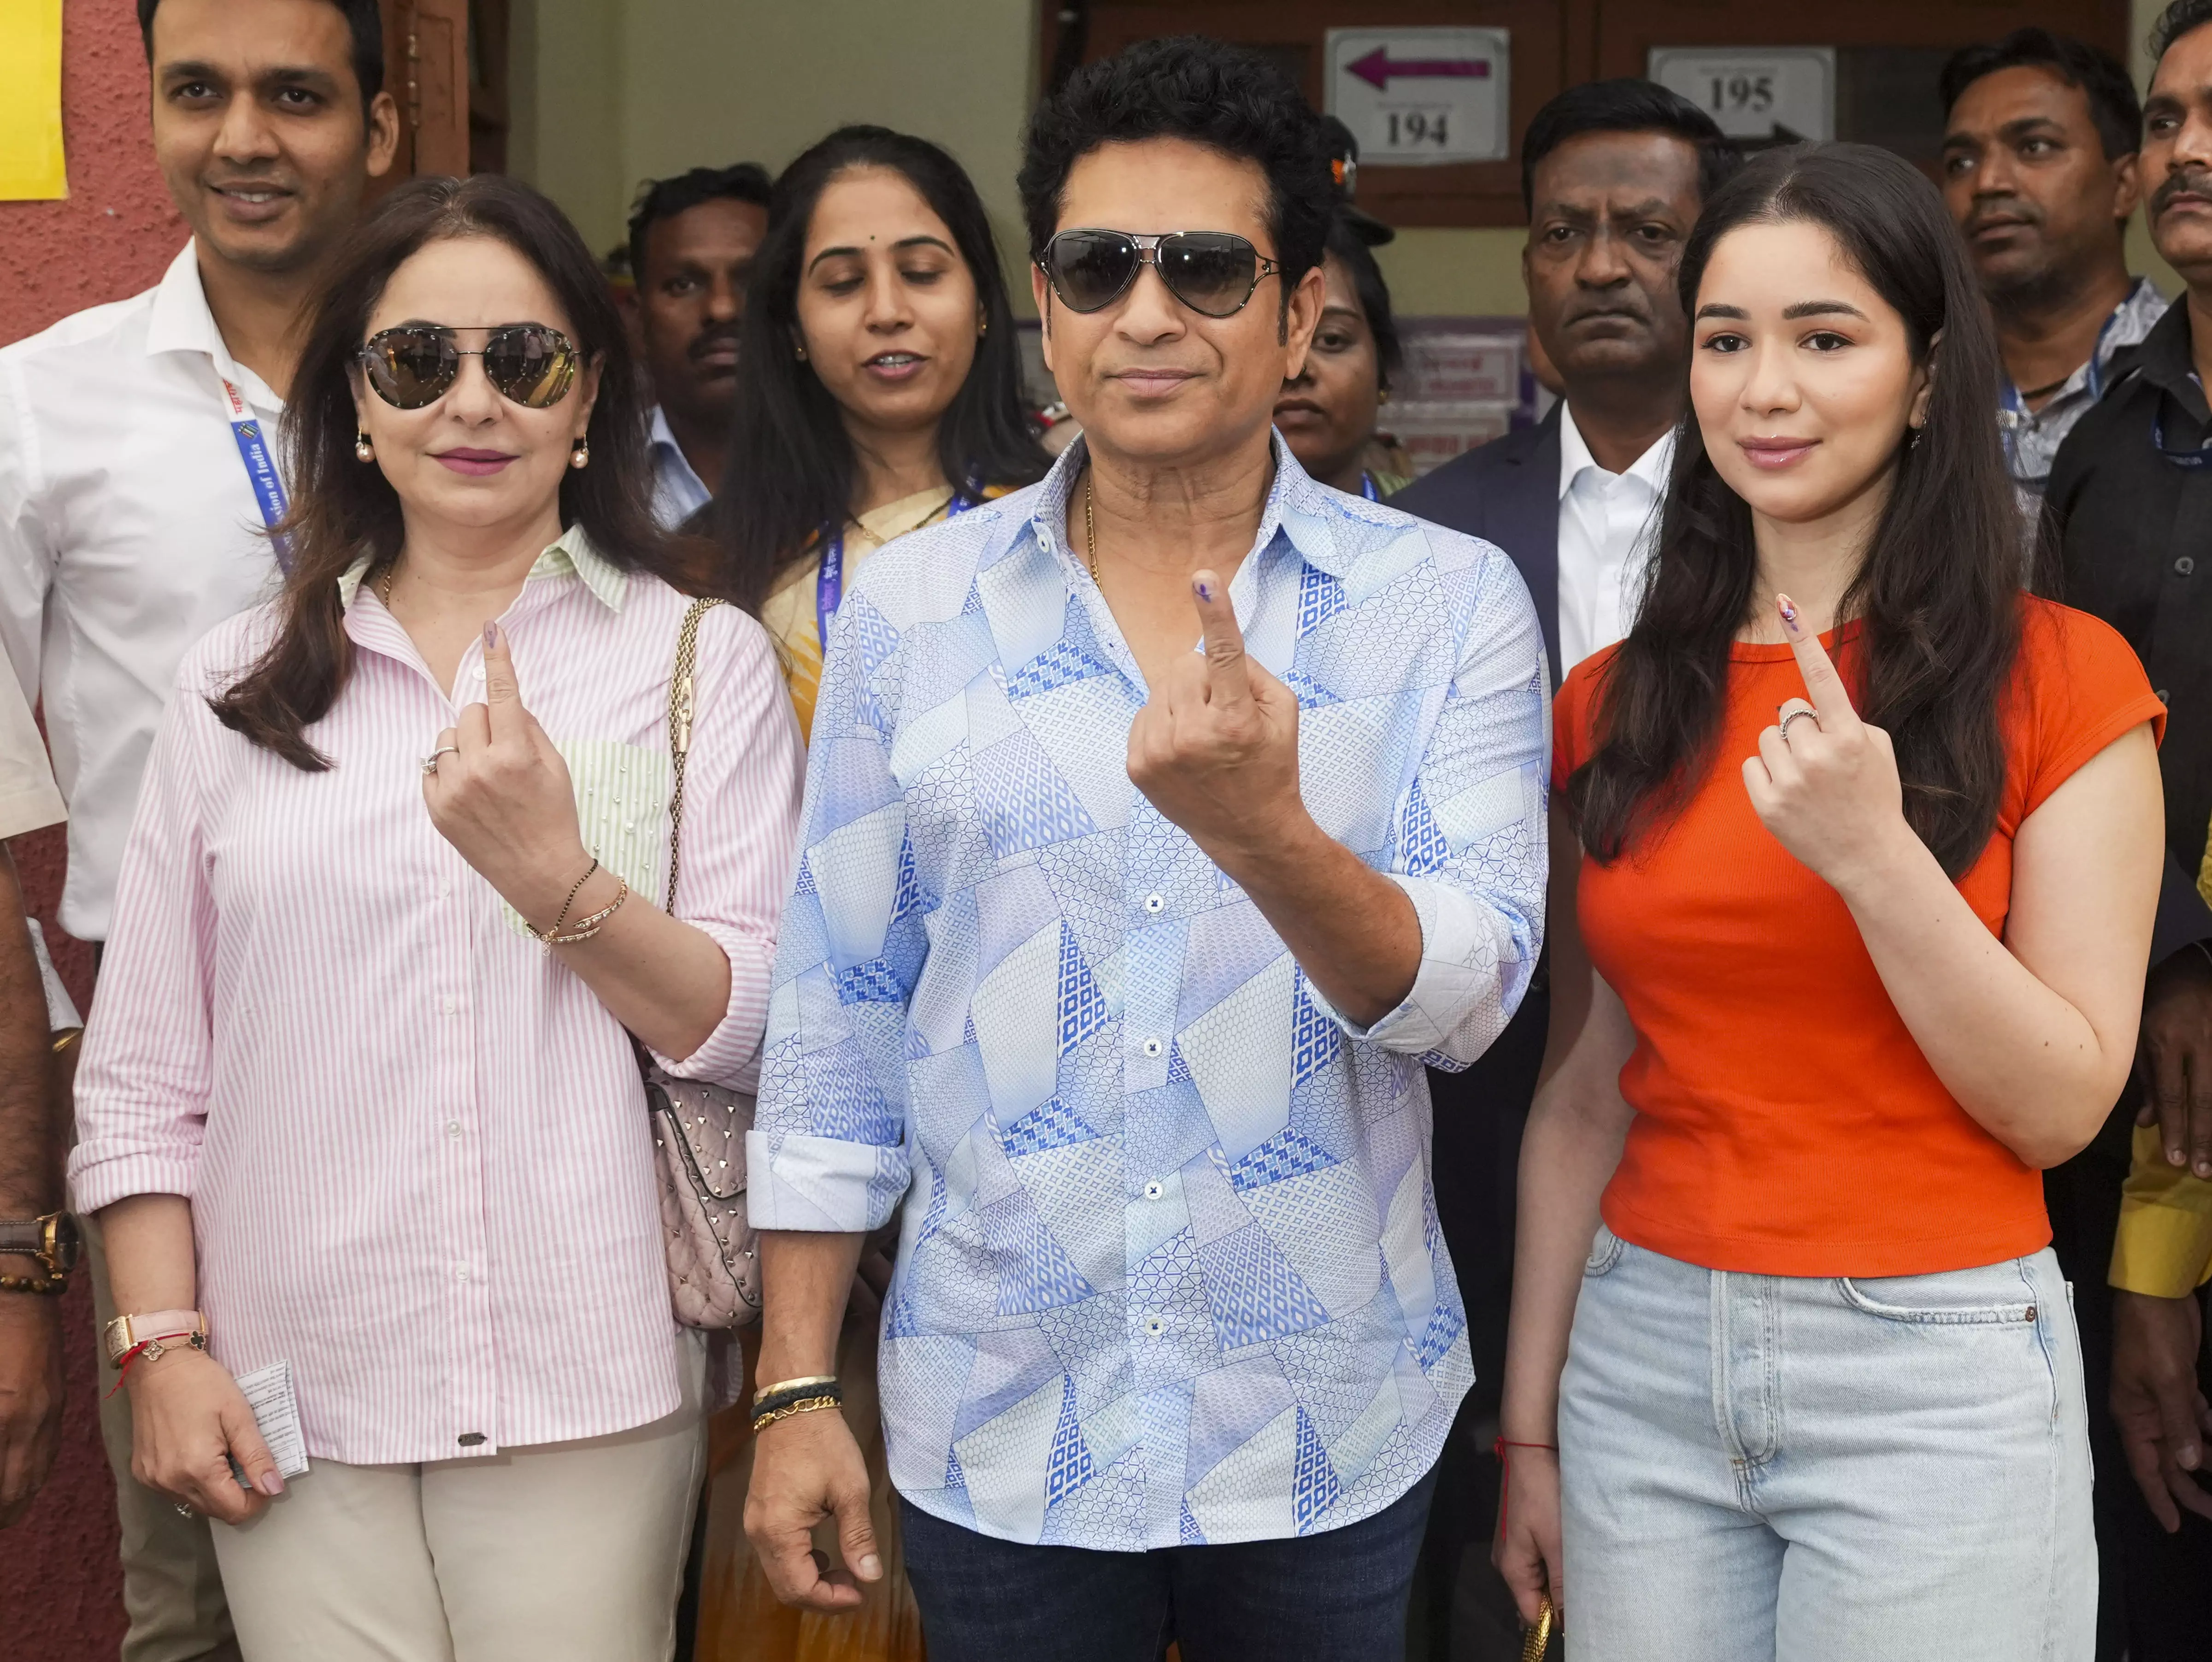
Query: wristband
[{"x": 805, "y": 1386}]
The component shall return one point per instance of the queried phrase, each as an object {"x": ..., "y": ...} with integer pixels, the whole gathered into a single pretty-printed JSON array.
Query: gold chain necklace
[
  {"x": 1090, "y": 528},
  {"x": 384, "y": 588}
]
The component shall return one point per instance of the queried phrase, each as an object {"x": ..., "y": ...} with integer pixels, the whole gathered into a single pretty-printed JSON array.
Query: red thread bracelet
[
  {"x": 123, "y": 1362},
  {"x": 1506, "y": 1474}
]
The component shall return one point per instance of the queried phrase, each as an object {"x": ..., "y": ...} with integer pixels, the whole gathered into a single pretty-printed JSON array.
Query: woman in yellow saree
[{"x": 879, "y": 393}]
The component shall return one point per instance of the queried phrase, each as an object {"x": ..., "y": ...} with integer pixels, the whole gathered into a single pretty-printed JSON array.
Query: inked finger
[
  {"x": 1823, "y": 684},
  {"x": 1227, "y": 679}
]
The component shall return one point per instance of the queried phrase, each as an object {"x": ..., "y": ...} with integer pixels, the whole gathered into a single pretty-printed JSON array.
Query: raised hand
[
  {"x": 1216, "y": 749},
  {"x": 502, "y": 794},
  {"x": 1828, "y": 789}
]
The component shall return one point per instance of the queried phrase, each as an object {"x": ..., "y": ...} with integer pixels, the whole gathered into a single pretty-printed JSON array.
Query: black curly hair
[
  {"x": 1191, "y": 87},
  {"x": 2182, "y": 17}
]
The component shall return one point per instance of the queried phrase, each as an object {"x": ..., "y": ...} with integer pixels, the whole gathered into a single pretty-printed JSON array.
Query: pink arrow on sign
[{"x": 1379, "y": 69}]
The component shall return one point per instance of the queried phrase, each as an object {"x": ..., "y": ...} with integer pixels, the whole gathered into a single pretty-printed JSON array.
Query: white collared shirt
[
  {"x": 678, "y": 492},
  {"x": 128, "y": 529},
  {"x": 1608, "y": 524}
]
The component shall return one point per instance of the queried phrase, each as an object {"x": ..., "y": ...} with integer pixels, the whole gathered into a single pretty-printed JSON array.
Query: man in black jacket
[
  {"x": 2131, "y": 508},
  {"x": 1614, "y": 174}
]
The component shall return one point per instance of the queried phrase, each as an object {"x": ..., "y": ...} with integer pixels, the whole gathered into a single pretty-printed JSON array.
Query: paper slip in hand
[{"x": 268, "y": 1392}]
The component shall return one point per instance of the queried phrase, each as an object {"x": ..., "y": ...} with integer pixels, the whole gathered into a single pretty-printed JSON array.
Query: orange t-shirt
[{"x": 1786, "y": 1122}]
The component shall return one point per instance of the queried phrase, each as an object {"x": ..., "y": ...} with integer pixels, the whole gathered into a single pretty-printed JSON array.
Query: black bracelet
[{"x": 769, "y": 1402}]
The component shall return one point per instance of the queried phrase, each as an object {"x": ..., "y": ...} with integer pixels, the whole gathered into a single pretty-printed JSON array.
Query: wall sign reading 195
[{"x": 1755, "y": 92}]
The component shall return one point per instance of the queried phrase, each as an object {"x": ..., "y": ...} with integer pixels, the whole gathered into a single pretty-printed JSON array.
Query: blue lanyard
[
  {"x": 2199, "y": 457},
  {"x": 260, "y": 466},
  {"x": 829, "y": 581},
  {"x": 1367, "y": 488}
]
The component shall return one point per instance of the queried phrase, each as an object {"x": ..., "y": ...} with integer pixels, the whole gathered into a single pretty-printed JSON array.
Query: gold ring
[{"x": 430, "y": 762}]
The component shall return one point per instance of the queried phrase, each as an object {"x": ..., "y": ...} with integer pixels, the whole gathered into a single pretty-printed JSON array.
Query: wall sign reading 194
[{"x": 1422, "y": 97}]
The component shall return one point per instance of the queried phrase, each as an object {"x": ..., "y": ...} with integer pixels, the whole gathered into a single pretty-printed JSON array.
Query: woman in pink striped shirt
[{"x": 359, "y": 1085}]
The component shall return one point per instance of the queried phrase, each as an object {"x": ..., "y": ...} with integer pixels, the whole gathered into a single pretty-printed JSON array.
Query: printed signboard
[
  {"x": 1778, "y": 93},
  {"x": 1422, "y": 97}
]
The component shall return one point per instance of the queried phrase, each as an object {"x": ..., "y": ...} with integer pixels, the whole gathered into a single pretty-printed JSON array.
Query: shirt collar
[
  {"x": 1575, "y": 455},
  {"x": 572, "y": 556},
  {"x": 2165, "y": 360},
  {"x": 662, "y": 433},
  {"x": 181, "y": 322},
  {"x": 1303, "y": 511}
]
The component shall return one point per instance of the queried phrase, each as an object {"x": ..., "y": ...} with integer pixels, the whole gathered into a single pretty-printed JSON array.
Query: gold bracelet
[
  {"x": 804, "y": 1405},
  {"x": 551, "y": 931},
  {"x": 782, "y": 1385},
  {"x": 66, "y": 1039},
  {"x": 586, "y": 928}
]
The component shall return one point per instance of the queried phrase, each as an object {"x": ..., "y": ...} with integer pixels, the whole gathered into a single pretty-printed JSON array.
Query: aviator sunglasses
[
  {"x": 1212, "y": 273},
  {"x": 416, "y": 364}
]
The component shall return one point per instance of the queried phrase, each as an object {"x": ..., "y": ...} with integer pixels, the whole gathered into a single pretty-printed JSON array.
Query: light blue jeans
[{"x": 1784, "y": 1469}]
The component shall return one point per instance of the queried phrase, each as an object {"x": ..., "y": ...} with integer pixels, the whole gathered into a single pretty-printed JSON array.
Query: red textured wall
[{"x": 61, "y": 1594}]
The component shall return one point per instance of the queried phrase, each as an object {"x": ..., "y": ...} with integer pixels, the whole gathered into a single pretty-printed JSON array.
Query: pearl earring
[
  {"x": 362, "y": 450},
  {"x": 798, "y": 350},
  {"x": 580, "y": 454}
]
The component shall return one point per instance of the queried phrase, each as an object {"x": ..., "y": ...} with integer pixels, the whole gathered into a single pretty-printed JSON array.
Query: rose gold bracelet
[{"x": 586, "y": 928}]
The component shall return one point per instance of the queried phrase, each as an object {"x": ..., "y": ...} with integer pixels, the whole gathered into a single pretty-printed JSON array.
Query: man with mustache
[
  {"x": 2040, "y": 170},
  {"x": 692, "y": 240},
  {"x": 138, "y": 477},
  {"x": 1614, "y": 174},
  {"x": 2130, "y": 505}
]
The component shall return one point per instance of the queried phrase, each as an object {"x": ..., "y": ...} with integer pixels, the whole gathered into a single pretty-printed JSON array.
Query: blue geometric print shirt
[{"x": 1170, "y": 1269}]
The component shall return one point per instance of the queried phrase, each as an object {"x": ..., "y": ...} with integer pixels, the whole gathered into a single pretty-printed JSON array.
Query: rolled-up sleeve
[
  {"x": 740, "y": 827},
  {"x": 1470, "y": 850},
  {"x": 2164, "y": 1244},
  {"x": 828, "y": 1148},
  {"x": 142, "y": 1088}
]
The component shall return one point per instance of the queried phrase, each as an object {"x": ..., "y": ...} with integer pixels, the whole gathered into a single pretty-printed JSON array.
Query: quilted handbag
[{"x": 699, "y": 1129}]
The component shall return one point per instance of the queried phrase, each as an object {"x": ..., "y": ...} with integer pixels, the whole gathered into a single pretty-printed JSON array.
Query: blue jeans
[
  {"x": 1339, "y": 1596},
  {"x": 1778, "y": 1468}
]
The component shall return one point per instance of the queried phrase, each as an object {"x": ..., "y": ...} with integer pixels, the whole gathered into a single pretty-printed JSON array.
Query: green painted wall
[{"x": 610, "y": 91}]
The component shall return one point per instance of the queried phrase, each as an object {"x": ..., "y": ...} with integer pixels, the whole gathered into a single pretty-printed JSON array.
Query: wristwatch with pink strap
[{"x": 156, "y": 1331}]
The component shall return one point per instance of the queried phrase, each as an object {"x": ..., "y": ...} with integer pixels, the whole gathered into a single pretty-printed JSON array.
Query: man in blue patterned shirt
[{"x": 1121, "y": 960}]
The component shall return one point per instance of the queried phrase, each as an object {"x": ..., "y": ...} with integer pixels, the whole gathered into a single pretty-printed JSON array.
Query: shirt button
[
  {"x": 461, "y": 1273},
  {"x": 1155, "y": 1326},
  {"x": 2185, "y": 565},
  {"x": 1154, "y": 902},
  {"x": 1154, "y": 1190},
  {"x": 450, "y": 1006},
  {"x": 1152, "y": 1047},
  {"x": 452, "y": 1128}
]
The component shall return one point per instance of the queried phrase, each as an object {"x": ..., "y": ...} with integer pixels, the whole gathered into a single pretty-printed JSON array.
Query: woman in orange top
[{"x": 1856, "y": 850}]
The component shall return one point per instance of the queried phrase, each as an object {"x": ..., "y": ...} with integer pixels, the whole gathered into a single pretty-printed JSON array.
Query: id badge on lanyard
[
  {"x": 260, "y": 465},
  {"x": 830, "y": 582}
]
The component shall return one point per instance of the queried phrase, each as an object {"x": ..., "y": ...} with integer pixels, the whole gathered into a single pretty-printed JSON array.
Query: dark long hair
[
  {"x": 1937, "y": 594},
  {"x": 343, "y": 508},
  {"x": 790, "y": 468}
]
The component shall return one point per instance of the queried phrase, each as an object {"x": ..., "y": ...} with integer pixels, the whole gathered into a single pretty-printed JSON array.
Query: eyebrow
[
  {"x": 288, "y": 74},
  {"x": 922, "y": 241}
]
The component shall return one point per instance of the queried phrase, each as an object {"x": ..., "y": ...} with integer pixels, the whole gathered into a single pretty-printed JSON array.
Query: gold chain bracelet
[{"x": 804, "y": 1405}]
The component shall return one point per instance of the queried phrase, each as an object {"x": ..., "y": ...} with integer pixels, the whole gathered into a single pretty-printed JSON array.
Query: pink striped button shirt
[{"x": 415, "y": 1145}]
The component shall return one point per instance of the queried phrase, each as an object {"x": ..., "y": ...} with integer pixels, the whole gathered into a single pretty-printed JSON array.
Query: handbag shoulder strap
[{"x": 679, "y": 732}]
